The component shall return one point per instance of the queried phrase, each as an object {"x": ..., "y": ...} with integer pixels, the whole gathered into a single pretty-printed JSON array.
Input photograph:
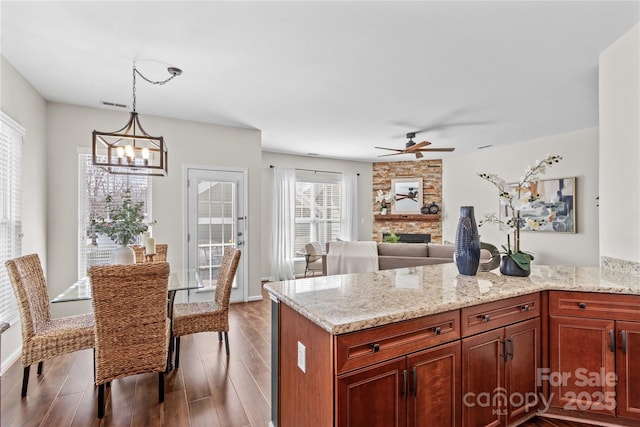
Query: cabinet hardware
[
  {"x": 504, "y": 350},
  {"x": 486, "y": 317},
  {"x": 415, "y": 381},
  {"x": 582, "y": 305},
  {"x": 624, "y": 341},
  {"x": 404, "y": 387},
  {"x": 612, "y": 341},
  {"x": 524, "y": 307},
  {"x": 508, "y": 343},
  {"x": 375, "y": 347},
  {"x": 437, "y": 330}
]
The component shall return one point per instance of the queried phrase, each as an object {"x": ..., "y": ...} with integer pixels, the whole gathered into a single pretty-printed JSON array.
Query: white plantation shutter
[
  {"x": 11, "y": 135},
  {"x": 317, "y": 215},
  {"x": 94, "y": 184}
]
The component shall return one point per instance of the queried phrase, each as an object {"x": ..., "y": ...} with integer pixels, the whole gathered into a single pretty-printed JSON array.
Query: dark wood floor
[{"x": 208, "y": 389}]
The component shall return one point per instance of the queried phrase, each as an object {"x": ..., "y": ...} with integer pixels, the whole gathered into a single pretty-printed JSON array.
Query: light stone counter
[{"x": 351, "y": 302}]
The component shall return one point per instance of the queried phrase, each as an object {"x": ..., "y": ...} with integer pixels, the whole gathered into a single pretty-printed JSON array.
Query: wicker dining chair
[
  {"x": 42, "y": 336},
  {"x": 161, "y": 253},
  {"x": 132, "y": 329},
  {"x": 194, "y": 317}
]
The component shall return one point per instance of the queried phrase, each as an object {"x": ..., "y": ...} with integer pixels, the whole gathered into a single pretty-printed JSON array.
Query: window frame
[{"x": 12, "y": 137}]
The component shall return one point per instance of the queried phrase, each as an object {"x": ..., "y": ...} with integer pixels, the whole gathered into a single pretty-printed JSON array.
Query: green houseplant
[
  {"x": 514, "y": 198},
  {"x": 123, "y": 223}
]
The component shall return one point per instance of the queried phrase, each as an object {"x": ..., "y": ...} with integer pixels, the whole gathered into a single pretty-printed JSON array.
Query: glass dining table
[{"x": 179, "y": 280}]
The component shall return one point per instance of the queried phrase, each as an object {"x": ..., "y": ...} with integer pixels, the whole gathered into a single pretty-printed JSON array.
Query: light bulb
[
  {"x": 145, "y": 153},
  {"x": 128, "y": 150},
  {"x": 120, "y": 152}
]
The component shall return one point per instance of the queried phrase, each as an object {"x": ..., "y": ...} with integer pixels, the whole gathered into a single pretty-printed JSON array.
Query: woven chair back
[
  {"x": 161, "y": 252},
  {"x": 130, "y": 308},
  {"x": 226, "y": 275},
  {"x": 139, "y": 251},
  {"x": 30, "y": 288}
]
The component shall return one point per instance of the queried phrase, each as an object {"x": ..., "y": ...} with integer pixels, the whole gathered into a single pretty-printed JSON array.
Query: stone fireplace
[{"x": 431, "y": 173}]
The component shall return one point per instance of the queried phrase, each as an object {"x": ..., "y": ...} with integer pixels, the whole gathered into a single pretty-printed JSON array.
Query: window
[
  {"x": 317, "y": 217},
  {"x": 94, "y": 184},
  {"x": 11, "y": 134}
]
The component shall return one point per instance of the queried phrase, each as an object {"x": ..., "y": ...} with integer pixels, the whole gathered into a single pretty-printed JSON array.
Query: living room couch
[{"x": 400, "y": 255}]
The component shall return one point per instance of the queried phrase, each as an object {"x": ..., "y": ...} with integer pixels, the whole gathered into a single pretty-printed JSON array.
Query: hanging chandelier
[{"x": 130, "y": 150}]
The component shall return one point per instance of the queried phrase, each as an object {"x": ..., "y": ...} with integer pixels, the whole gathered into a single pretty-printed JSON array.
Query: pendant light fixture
[{"x": 130, "y": 150}]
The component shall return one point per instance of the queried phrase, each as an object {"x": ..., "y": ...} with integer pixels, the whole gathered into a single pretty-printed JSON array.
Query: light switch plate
[{"x": 302, "y": 357}]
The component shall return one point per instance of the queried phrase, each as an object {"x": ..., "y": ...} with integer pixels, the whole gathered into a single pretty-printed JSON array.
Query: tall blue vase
[{"x": 467, "y": 251}]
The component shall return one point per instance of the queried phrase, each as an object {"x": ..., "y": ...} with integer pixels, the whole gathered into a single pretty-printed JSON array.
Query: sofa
[{"x": 400, "y": 255}]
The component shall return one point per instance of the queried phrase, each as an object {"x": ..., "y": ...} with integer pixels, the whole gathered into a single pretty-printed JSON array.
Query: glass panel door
[{"x": 216, "y": 220}]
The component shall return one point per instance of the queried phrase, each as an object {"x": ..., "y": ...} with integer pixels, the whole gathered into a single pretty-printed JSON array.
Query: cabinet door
[
  {"x": 374, "y": 396},
  {"x": 582, "y": 363},
  {"x": 483, "y": 394},
  {"x": 434, "y": 388},
  {"x": 628, "y": 369},
  {"x": 522, "y": 346}
]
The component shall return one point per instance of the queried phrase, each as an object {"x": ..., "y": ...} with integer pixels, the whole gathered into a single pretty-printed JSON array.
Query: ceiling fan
[{"x": 413, "y": 148}]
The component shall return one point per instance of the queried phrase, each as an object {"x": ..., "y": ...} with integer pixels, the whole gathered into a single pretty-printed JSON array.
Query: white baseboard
[
  {"x": 13, "y": 358},
  {"x": 255, "y": 298}
]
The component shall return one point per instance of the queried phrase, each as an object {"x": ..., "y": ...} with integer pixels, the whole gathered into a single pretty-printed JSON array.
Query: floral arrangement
[
  {"x": 385, "y": 199},
  {"x": 514, "y": 198},
  {"x": 124, "y": 223}
]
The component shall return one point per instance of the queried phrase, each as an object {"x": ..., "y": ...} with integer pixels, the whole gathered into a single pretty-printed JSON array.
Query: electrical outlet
[{"x": 302, "y": 357}]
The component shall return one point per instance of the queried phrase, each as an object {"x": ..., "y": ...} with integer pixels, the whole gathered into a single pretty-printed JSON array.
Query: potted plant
[
  {"x": 123, "y": 224},
  {"x": 391, "y": 238},
  {"x": 385, "y": 200},
  {"x": 514, "y": 198}
]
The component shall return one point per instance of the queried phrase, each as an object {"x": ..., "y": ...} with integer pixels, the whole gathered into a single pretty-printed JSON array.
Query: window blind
[
  {"x": 317, "y": 213},
  {"x": 94, "y": 185},
  {"x": 11, "y": 136}
]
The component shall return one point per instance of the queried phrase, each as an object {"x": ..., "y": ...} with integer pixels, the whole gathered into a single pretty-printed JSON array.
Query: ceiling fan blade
[
  {"x": 418, "y": 146},
  {"x": 419, "y": 155},
  {"x": 392, "y": 154},
  {"x": 391, "y": 149},
  {"x": 435, "y": 149}
]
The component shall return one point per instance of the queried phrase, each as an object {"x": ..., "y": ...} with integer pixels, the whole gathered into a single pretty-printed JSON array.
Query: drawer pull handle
[
  {"x": 437, "y": 331},
  {"x": 375, "y": 347},
  {"x": 524, "y": 307},
  {"x": 582, "y": 305},
  {"x": 486, "y": 317},
  {"x": 612, "y": 341}
]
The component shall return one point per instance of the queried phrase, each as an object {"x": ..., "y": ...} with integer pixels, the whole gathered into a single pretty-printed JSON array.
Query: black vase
[
  {"x": 508, "y": 267},
  {"x": 467, "y": 251}
]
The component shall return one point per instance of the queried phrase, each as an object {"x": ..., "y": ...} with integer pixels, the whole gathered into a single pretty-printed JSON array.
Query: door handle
[
  {"x": 415, "y": 381},
  {"x": 508, "y": 343},
  {"x": 624, "y": 341},
  {"x": 404, "y": 387},
  {"x": 612, "y": 341}
]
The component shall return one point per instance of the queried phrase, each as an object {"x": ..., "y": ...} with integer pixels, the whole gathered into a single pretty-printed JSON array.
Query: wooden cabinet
[
  {"x": 412, "y": 373},
  {"x": 595, "y": 353},
  {"x": 435, "y": 397},
  {"x": 628, "y": 369},
  {"x": 422, "y": 389},
  {"x": 499, "y": 374},
  {"x": 373, "y": 396}
]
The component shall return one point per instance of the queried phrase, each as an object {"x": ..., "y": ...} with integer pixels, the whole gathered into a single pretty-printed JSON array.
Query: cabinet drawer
[
  {"x": 491, "y": 315},
  {"x": 594, "y": 305},
  {"x": 363, "y": 348}
]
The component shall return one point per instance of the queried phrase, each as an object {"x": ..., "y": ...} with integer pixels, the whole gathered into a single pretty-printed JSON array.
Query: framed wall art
[
  {"x": 555, "y": 209},
  {"x": 408, "y": 195}
]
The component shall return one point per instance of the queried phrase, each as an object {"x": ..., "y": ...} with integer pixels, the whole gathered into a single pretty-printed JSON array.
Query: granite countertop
[{"x": 351, "y": 302}]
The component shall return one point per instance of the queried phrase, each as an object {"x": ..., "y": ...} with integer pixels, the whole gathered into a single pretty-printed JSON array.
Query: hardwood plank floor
[{"x": 208, "y": 389}]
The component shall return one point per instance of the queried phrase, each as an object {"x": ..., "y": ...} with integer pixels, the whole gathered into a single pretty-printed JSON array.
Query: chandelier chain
[{"x": 153, "y": 82}]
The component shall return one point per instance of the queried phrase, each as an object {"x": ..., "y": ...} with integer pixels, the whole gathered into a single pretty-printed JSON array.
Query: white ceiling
[{"x": 332, "y": 78}]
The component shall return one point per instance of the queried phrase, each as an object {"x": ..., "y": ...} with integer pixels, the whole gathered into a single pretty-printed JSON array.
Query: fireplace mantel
[{"x": 417, "y": 217}]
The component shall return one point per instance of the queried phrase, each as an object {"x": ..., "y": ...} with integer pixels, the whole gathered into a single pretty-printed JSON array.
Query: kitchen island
[{"x": 395, "y": 346}]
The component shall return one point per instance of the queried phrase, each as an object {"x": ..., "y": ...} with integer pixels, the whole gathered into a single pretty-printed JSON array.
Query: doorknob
[{"x": 240, "y": 243}]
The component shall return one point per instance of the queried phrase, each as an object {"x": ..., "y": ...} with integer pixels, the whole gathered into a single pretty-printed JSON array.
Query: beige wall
[
  {"x": 314, "y": 163},
  {"x": 22, "y": 103},
  {"x": 461, "y": 186},
  {"x": 192, "y": 143},
  {"x": 620, "y": 148}
]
